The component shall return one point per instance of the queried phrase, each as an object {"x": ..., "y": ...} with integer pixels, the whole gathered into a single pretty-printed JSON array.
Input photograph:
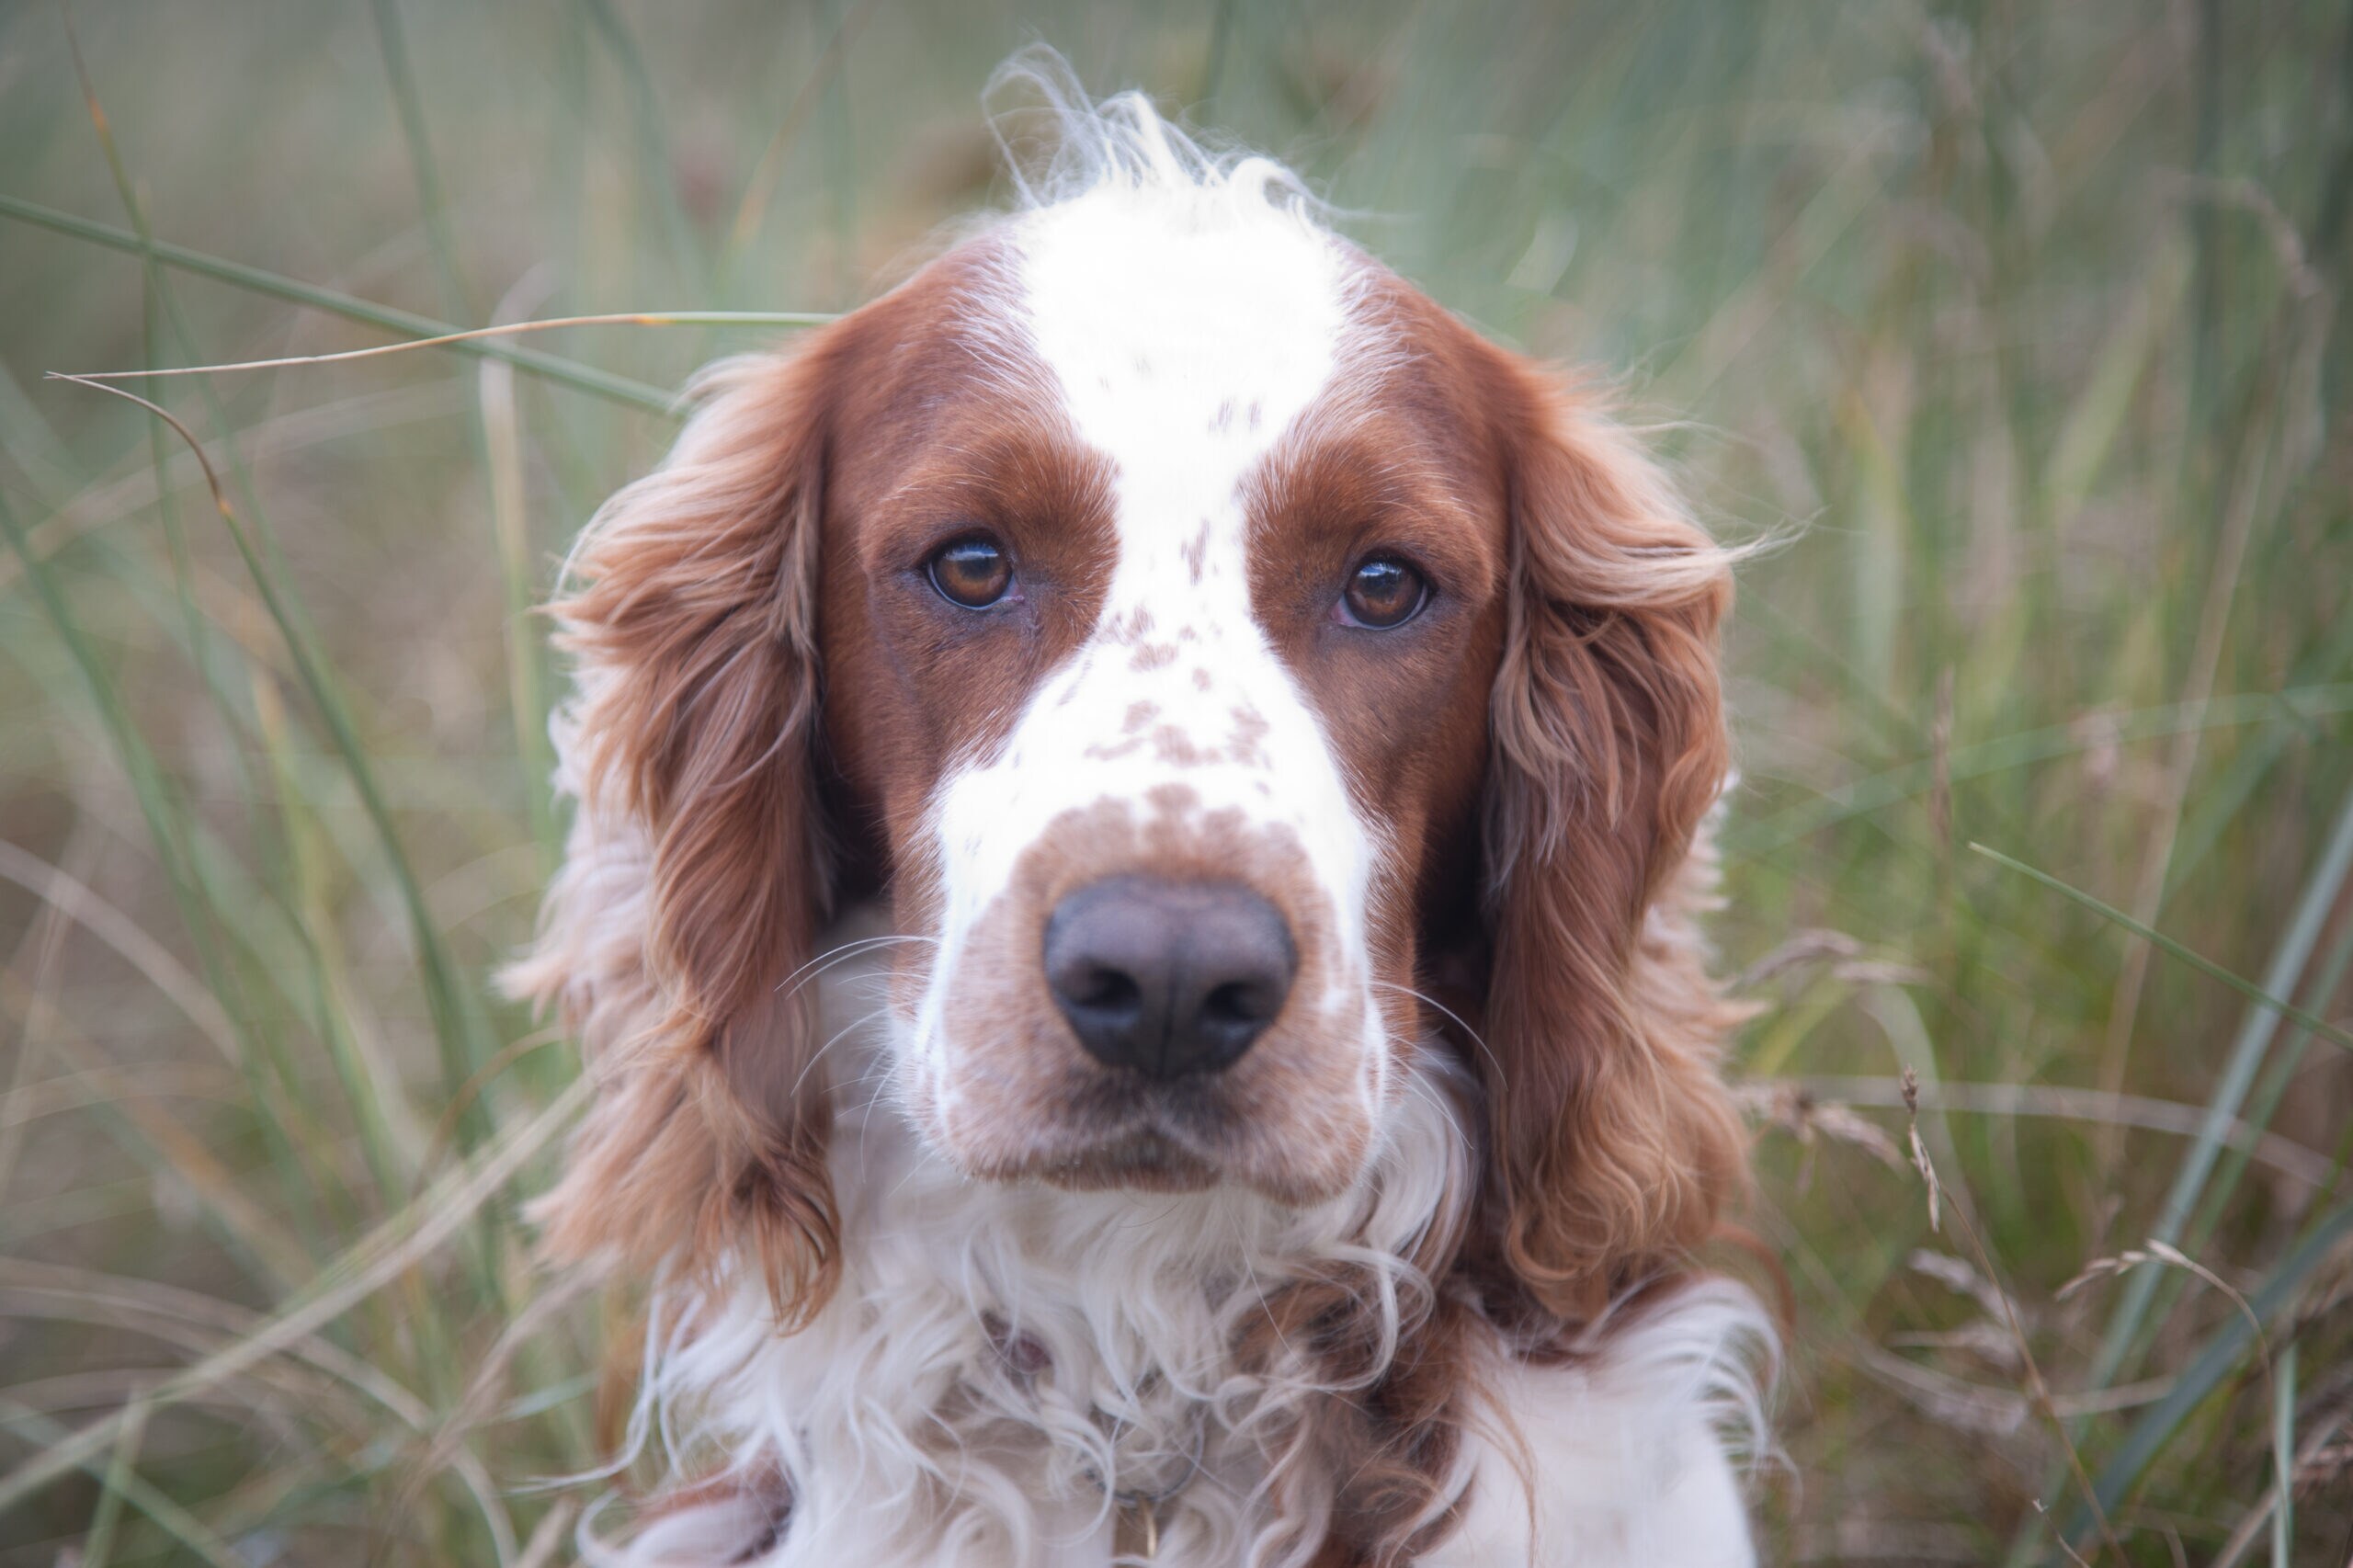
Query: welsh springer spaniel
[{"x": 1131, "y": 908}]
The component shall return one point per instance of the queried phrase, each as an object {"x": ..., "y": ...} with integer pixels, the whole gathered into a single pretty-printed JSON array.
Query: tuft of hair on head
[{"x": 1060, "y": 144}]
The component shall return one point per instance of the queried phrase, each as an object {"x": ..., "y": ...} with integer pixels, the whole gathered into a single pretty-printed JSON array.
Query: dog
[{"x": 1141, "y": 813}]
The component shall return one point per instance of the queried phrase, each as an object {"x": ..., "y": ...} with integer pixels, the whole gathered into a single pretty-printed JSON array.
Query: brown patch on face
[
  {"x": 1129, "y": 628},
  {"x": 1175, "y": 748},
  {"x": 1153, "y": 656},
  {"x": 1396, "y": 459},
  {"x": 722, "y": 599},
  {"x": 1245, "y": 746},
  {"x": 1131, "y": 731},
  {"x": 1540, "y": 744},
  {"x": 1022, "y": 1099},
  {"x": 949, "y": 442},
  {"x": 1248, "y": 743},
  {"x": 1197, "y": 553}
]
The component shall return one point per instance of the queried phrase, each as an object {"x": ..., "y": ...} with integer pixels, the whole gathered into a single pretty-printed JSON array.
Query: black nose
[{"x": 1167, "y": 977}]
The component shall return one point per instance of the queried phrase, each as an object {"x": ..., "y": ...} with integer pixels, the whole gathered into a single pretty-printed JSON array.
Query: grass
[{"x": 2023, "y": 328}]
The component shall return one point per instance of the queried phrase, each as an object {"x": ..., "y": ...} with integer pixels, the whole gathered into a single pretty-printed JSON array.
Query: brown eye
[
  {"x": 974, "y": 572},
  {"x": 1385, "y": 592}
]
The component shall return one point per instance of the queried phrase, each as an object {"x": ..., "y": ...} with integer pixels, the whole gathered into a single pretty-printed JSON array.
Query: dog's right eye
[
  {"x": 972, "y": 573},
  {"x": 1382, "y": 592}
]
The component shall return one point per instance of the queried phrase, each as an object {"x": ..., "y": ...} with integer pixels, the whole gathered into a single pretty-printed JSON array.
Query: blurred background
[{"x": 2018, "y": 329}]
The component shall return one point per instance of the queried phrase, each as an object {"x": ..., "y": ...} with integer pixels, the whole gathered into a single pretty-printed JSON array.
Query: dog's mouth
[
  {"x": 1108, "y": 1130},
  {"x": 1121, "y": 1130},
  {"x": 1160, "y": 1138}
]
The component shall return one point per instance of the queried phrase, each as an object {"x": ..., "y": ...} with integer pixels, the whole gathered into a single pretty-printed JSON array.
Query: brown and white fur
[{"x": 1408, "y": 1281}]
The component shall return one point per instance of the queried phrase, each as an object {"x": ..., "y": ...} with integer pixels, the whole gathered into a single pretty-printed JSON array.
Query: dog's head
[{"x": 1234, "y": 673}]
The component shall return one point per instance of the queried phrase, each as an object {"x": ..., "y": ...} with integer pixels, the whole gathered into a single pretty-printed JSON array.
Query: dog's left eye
[
  {"x": 1383, "y": 592},
  {"x": 972, "y": 573}
]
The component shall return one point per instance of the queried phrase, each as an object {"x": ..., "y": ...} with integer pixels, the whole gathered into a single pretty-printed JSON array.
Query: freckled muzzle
[{"x": 1156, "y": 999}]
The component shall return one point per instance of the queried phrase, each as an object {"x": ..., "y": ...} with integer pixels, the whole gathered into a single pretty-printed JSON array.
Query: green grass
[{"x": 2021, "y": 329}]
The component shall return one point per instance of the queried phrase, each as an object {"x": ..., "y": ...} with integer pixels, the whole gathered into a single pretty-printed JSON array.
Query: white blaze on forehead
[{"x": 1186, "y": 324}]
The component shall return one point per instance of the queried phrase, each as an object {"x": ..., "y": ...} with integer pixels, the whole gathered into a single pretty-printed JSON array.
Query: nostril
[
  {"x": 1240, "y": 1002},
  {"x": 1103, "y": 991}
]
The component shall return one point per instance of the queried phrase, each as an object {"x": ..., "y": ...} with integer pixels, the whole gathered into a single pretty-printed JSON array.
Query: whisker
[
  {"x": 1415, "y": 1083},
  {"x": 850, "y": 948},
  {"x": 1459, "y": 1022},
  {"x": 832, "y": 956},
  {"x": 914, "y": 1166},
  {"x": 881, "y": 1086},
  {"x": 1258, "y": 1289},
  {"x": 839, "y": 1035}
]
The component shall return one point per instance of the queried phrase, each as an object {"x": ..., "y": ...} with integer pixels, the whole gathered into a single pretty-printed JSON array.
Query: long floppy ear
[
  {"x": 1613, "y": 1142},
  {"x": 695, "y": 879}
]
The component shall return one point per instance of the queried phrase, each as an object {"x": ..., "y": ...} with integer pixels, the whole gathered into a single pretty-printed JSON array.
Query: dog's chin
[{"x": 1139, "y": 1161}]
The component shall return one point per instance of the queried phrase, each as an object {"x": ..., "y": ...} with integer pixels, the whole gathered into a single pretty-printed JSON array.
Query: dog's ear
[
  {"x": 695, "y": 880},
  {"x": 1613, "y": 1142}
]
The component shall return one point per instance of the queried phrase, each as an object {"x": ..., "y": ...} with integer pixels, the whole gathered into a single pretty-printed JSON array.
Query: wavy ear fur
[
  {"x": 694, "y": 877},
  {"x": 1613, "y": 1142}
]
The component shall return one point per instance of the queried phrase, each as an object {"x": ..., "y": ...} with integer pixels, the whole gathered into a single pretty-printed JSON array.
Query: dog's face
[
  {"x": 1161, "y": 604},
  {"x": 1234, "y": 673}
]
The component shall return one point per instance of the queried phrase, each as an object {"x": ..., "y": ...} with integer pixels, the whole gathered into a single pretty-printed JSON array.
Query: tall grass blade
[
  {"x": 477, "y": 334},
  {"x": 166, "y": 822},
  {"x": 393, "y": 43},
  {"x": 582, "y": 377},
  {"x": 97, "y": 1542},
  {"x": 2287, "y": 709},
  {"x": 183, "y": 1527},
  {"x": 458, "y": 1026},
  {"x": 415, "y": 1232},
  {"x": 2283, "y": 1457},
  {"x": 2336, "y": 859},
  {"x": 656, "y": 166},
  {"x": 2220, "y": 1354}
]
